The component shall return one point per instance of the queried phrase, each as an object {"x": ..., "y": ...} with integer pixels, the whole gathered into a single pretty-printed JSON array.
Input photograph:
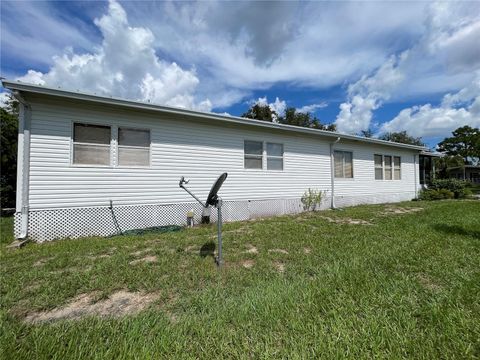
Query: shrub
[
  {"x": 434, "y": 194},
  {"x": 454, "y": 185},
  {"x": 311, "y": 199}
]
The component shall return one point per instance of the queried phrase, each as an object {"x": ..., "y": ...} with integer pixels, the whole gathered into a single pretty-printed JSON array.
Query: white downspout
[
  {"x": 23, "y": 163},
  {"x": 332, "y": 172},
  {"x": 415, "y": 174}
]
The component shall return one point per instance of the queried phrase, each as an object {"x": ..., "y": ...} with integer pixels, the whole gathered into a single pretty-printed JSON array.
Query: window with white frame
[
  {"x": 91, "y": 144},
  {"x": 274, "y": 156},
  {"x": 387, "y": 167},
  {"x": 253, "y": 154},
  {"x": 378, "y": 167},
  {"x": 387, "y": 162},
  {"x": 343, "y": 164},
  {"x": 133, "y": 147},
  {"x": 397, "y": 168}
]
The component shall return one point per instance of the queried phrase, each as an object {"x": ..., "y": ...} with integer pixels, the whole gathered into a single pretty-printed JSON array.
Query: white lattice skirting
[{"x": 45, "y": 225}]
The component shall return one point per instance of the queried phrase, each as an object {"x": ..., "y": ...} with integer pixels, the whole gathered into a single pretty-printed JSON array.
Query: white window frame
[
  {"x": 73, "y": 142},
  {"x": 383, "y": 167},
  {"x": 264, "y": 156},
  {"x": 113, "y": 145},
  {"x": 265, "y": 145},
  {"x": 343, "y": 165},
  {"x": 118, "y": 146}
]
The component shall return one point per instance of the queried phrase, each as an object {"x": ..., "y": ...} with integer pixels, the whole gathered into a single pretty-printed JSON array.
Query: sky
[{"x": 384, "y": 66}]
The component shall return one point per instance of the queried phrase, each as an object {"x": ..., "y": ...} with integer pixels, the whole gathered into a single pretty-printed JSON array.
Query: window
[
  {"x": 343, "y": 161},
  {"x": 397, "y": 175},
  {"x": 91, "y": 144},
  {"x": 253, "y": 154},
  {"x": 387, "y": 160},
  {"x": 133, "y": 147},
  {"x": 378, "y": 167},
  {"x": 274, "y": 156},
  {"x": 388, "y": 167}
]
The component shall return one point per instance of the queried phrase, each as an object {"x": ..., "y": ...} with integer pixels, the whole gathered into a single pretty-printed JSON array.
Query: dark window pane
[
  {"x": 93, "y": 134},
  {"x": 274, "y": 149},
  {"x": 274, "y": 164},
  {"x": 253, "y": 162},
  {"x": 253, "y": 147},
  {"x": 133, "y": 137}
]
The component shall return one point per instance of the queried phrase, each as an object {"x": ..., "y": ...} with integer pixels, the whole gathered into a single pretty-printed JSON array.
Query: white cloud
[
  {"x": 367, "y": 95},
  {"x": 430, "y": 121},
  {"x": 278, "y": 105},
  {"x": 442, "y": 60},
  {"x": 312, "y": 107},
  {"x": 125, "y": 65}
]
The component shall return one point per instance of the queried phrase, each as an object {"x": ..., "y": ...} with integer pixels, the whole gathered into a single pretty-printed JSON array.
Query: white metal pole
[{"x": 219, "y": 227}]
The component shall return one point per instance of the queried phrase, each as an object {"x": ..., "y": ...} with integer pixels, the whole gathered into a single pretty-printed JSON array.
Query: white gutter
[
  {"x": 23, "y": 163},
  {"x": 332, "y": 172}
]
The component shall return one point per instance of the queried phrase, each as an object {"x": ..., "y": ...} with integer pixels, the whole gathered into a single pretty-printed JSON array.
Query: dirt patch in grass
[
  {"x": 146, "y": 259},
  {"x": 42, "y": 261},
  {"x": 348, "y": 221},
  {"x": 248, "y": 264},
  {"x": 307, "y": 250},
  {"x": 280, "y": 251},
  {"x": 141, "y": 252},
  {"x": 428, "y": 283},
  {"x": 119, "y": 304},
  {"x": 192, "y": 248},
  {"x": 240, "y": 230},
  {"x": 391, "y": 210},
  {"x": 251, "y": 249},
  {"x": 279, "y": 266},
  {"x": 102, "y": 256}
]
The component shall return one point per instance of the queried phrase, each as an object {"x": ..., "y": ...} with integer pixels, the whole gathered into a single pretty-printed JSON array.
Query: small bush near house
[
  {"x": 434, "y": 194},
  {"x": 312, "y": 199},
  {"x": 457, "y": 187}
]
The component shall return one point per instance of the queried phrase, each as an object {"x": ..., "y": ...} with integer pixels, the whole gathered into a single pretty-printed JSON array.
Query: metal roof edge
[{"x": 77, "y": 95}]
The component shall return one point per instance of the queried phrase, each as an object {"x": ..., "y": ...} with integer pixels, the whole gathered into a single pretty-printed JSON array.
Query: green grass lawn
[{"x": 316, "y": 285}]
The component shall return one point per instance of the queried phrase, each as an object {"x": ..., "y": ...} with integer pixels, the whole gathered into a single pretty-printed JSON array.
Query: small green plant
[{"x": 312, "y": 199}]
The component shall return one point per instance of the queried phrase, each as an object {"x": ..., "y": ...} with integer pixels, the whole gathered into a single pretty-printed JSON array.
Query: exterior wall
[{"x": 197, "y": 149}]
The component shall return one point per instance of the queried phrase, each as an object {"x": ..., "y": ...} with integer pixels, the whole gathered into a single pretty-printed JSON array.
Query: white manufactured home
[{"x": 91, "y": 165}]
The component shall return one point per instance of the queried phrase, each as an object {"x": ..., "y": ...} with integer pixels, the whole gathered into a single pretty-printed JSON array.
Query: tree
[
  {"x": 366, "y": 133},
  {"x": 260, "y": 112},
  {"x": 465, "y": 143},
  {"x": 445, "y": 163},
  {"x": 402, "y": 137},
  {"x": 296, "y": 118},
  {"x": 8, "y": 152}
]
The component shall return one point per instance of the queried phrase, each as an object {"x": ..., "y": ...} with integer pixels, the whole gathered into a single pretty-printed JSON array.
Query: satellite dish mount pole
[{"x": 218, "y": 205}]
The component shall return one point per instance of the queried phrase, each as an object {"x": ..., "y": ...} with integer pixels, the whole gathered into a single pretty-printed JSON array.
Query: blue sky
[{"x": 389, "y": 66}]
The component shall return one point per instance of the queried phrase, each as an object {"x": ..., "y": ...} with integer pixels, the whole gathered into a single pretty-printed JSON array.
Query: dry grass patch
[
  {"x": 392, "y": 210},
  {"x": 248, "y": 264},
  {"x": 307, "y": 250},
  {"x": 141, "y": 252},
  {"x": 119, "y": 304},
  {"x": 280, "y": 251},
  {"x": 146, "y": 259},
  {"x": 347, "y": 220},
  {"x": 279, "y": 266},
  {"x": 251, "y": 249},
  {"x": 428, "y": 284},
  {"x": 42, "y": 261}
]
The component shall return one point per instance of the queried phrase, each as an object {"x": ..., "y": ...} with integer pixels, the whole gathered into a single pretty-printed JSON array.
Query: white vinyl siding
[
  {"x": 343, "y": 164},
  {"x": 133, "y": 147},
  {"x": 274, "y": 156},
  {"x": 198, "y": 149},
  {"x": 91, "y": 144}
]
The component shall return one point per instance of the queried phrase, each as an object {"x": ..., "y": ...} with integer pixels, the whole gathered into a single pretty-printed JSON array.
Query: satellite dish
[{"x": 212, "y": 198}]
